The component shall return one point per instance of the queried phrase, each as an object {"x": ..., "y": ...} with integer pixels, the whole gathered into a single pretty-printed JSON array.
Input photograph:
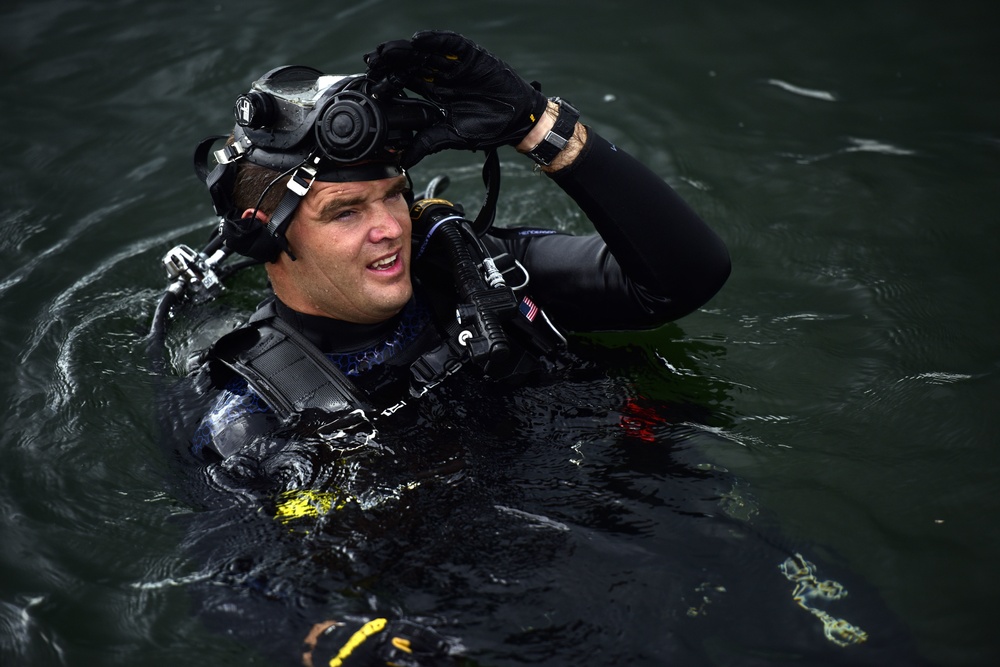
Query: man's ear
[
  {"x": 263, "y": 217},
  {"x": 248, "y": 236}
]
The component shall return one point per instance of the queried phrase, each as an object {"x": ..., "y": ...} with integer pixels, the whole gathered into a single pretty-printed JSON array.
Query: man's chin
[{"x": 392, "y": 307}]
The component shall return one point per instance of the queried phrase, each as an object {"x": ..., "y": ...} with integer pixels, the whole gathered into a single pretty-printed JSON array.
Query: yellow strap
[
  {"x": 402, "y": 644},
  {"x": 358, "y": 638},
  {"x": 306, "y": 503}
]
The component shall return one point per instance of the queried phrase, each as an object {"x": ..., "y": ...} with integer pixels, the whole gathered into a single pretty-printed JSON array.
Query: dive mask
[{"x": 295, "y": 113}]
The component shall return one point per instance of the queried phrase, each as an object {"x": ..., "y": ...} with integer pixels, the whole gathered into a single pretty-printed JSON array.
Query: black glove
[
  {"x": 379, "y": 643},
  {"x": 486, "y": 102}
]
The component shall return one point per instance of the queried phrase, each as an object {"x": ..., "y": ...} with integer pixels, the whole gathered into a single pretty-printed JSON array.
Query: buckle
[
  {"x": 232, "y": 152},
  {"x": 300, "y": 185}
]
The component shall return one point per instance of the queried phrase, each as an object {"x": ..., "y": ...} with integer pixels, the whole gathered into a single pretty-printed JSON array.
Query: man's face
[{"x": 352, "y": 247}]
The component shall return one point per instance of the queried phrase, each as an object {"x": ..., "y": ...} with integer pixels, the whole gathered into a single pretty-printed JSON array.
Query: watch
[{"x": 549, "y": 147}]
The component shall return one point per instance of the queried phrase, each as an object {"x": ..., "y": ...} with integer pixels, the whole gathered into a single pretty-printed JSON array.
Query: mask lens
[{"x": 295, "y": 84}]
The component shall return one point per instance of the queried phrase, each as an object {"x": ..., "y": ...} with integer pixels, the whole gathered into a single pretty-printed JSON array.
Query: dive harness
[{"x": 294, "y": 377}]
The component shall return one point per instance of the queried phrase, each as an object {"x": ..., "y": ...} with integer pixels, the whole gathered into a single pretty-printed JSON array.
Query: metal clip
[{"x": 233, "y": 151}]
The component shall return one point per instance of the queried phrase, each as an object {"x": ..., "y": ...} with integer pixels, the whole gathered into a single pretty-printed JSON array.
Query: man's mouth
[{"x": 383, "y": 264}]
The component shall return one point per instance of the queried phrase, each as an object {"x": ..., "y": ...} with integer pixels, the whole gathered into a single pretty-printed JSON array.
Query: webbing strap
[
  {"x": 201, "y": 153},
  {"x": 491, "y": 179},
  {"x": 290, "y": 373}
]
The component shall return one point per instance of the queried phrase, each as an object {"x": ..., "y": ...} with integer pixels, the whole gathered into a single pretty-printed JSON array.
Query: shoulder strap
[{"x": 290, "y": 373}]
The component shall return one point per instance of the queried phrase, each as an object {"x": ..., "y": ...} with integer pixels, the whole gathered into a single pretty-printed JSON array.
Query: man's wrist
[{"x": 543, "y": 129}]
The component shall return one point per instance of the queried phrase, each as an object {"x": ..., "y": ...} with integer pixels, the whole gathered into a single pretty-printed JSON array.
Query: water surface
[{"x": 837, "y": 398}]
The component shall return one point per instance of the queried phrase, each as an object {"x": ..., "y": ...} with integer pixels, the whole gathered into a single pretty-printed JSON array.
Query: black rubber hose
[
  {"x": 471, "y": 287},
  {"x": 156, "y": 340}
]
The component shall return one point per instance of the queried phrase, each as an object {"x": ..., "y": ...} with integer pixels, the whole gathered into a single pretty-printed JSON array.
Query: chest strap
[{"x": 286, "y": 370}]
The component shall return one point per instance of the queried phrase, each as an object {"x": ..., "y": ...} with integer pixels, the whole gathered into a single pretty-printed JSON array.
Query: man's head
[
  {"x": 311, "y": 174},
  {"x": 351, "y": 243}
]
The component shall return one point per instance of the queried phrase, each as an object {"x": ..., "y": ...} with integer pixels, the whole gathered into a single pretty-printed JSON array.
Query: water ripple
[
  {"x": 855, "y": 145},
  {"x": 17, "y": 627},
  {"x": 534, "y": 520},
  {"x": 939, "y": 378},
  {"x": 804, "y": 92}
]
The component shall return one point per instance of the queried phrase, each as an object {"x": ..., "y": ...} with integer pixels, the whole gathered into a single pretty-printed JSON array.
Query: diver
[
  {"x": 368, "y": 283},
  {"x": 378, "y": 295}
]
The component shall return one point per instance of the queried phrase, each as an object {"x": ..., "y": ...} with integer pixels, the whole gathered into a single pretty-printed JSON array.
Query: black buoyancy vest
[
  {"x": 296, "y": 379},
  {"x": 287, "y": 370}
]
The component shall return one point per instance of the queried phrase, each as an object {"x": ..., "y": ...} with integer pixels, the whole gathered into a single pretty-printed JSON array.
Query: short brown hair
[
  {"x": 252, "y": 183},
  {"x": 255, "y": 186}
]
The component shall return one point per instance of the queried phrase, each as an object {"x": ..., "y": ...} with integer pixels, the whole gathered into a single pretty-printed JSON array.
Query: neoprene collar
[{"x": 335, "y": 335}]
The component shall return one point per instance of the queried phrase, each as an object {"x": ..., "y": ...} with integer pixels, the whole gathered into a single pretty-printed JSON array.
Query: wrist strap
[{"x": 560, "y": 134}]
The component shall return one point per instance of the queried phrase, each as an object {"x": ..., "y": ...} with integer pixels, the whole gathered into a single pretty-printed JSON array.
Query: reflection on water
[
  {"x": 811, "y": 593},
  {"x": 835, "y": 401}
]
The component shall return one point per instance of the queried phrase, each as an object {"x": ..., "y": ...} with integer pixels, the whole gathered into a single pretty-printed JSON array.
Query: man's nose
[{"x": 385, "y": 226}]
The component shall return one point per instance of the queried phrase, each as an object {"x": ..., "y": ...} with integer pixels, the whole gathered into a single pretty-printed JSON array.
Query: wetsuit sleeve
[{"x": 654, "y": 260}]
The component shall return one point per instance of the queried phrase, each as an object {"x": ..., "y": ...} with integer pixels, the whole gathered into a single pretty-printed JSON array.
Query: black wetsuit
[
  {"x": 653, "y": 260},
  {"x": 453, "y": 519}
]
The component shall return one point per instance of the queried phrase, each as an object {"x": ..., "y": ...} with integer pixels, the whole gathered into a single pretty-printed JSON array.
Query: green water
[{"x": 846, "y": 152}]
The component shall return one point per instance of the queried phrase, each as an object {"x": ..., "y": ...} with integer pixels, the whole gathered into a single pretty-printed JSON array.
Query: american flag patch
[{"x": 528, "y": 309}]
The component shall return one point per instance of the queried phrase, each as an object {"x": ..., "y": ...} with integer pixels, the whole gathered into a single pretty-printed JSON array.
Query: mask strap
[
  {"x": 298, "y": 187},
  {"x": 220, "y": 180},
  {"x": 491, "y": 179},
  {"x": 201, "y": 153}
]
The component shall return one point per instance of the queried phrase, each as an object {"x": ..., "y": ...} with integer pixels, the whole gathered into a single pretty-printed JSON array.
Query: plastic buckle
[{"x": 300, "y": 185}]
